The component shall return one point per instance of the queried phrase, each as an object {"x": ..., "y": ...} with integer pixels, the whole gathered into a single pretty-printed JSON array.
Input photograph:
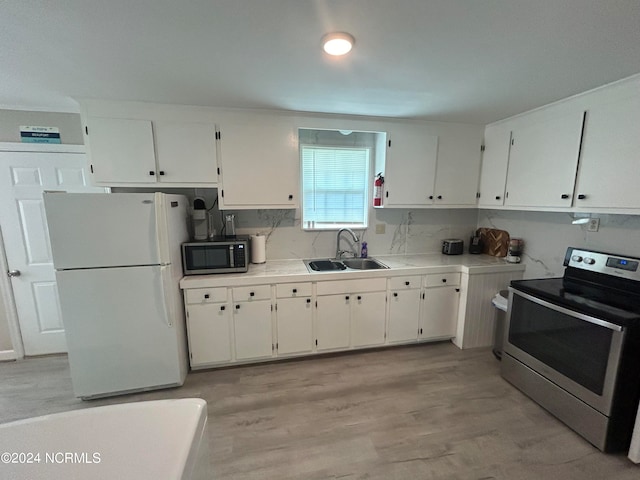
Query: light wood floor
[{"x": 421, "y": 412}]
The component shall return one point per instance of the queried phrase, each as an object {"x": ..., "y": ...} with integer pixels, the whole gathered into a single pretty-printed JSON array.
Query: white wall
[{"x": 547, "y": 236}]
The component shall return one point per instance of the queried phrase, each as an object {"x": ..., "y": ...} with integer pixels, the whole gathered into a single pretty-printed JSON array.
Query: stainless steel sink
[
  {"x": 345, "y": 264},
  {"x": 363, "y": 263}
]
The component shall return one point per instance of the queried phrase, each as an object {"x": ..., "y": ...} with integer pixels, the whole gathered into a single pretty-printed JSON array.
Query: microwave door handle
[
  {"x": 232, "y": 259},
  {"x": 566, "y": 311}
]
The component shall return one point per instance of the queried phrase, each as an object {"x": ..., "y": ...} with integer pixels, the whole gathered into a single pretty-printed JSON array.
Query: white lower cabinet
[
  {"x": 368, "y": 319},
  {"x": 439, "y": 315},
  {"x": 404, "y": 309},
  {"x": 252, "y": 323},
  {"x": 209, "y": 328},
  {"x": 332, "y": 322},
  {"x": 294, "y": 319}
]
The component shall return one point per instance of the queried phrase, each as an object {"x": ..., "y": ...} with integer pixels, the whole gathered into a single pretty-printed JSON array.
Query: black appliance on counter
[{"x": 572, "y": 344}]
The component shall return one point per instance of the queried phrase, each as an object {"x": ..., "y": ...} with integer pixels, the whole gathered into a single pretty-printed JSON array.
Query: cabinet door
[
  {"x": 495, "y": 161},
  {"x": 439, "y": 313},
  {"x": 609, "y": 162},
  {"x": 121, "y": 150},
  {"x": 186, "y": 152},
  {"x": 209, "y": 332},
  {"x": 410, "y": 167},
  {"x": 252, "y": 328},
  {"x": 458, "y": 168},
  {"x": 259, "y": 161},
  {"x": 404, "y": 312},
  {"x": 543, "y": 161},
  {"x": 368, "y": 318},
  {"x": 294, "y": 322},
  {"x": 332, "y": 322}
]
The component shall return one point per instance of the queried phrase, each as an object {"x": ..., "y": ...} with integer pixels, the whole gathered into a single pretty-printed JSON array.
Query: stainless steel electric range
[{"x": 572, "y": 344}]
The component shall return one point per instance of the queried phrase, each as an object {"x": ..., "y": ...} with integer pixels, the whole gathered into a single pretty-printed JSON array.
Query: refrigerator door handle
[
  {"x": 167, "y": 297},
  {"x": 162, "y": 228}
]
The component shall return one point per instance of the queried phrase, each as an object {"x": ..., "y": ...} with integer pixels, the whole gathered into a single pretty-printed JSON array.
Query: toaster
[{"x": 452, "y": 246}]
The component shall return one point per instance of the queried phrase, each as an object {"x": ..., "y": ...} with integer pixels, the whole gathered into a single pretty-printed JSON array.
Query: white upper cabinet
[
  {"x": 410, "y": 167},
  {"x": 495, "y": 160},
  {"x": 259, "y": 161},
  {"x": 458, "y": 166},
  {"x": 121, "y": 150},
  {"x": 136, "y": 144},
  {"x": 543, "y": 160},
  {"x": 432, "y": 164},
  {"x": 609, "y": 174}
]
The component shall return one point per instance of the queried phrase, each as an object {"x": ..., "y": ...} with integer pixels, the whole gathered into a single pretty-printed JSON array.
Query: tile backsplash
[{"x": 547, "y": 235}]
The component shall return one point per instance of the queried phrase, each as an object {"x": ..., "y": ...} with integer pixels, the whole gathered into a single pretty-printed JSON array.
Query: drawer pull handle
[
  {"x": 237, "y": 307},
  {"x": 252, "y": 294},
  {"x": 223, "y": 307},
  {"x": 395, "y": 294},
  {"x": 444, "y": 280},
  {"x": 359, "y": 297},
  {"x": 346, "y": 297},
  {"x": 308, "y": 300},
  {"x": 295, "y": 290},
  {"x": 407, "y": 283},
  {"x": 206, "y": 295}
]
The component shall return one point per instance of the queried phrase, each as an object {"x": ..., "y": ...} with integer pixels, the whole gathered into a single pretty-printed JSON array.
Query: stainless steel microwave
[{"x": 220, "y": 255}]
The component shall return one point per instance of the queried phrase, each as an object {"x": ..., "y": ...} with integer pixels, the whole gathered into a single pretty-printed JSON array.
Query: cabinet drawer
[
  {"x": 351, "y": 286},
  {"x": 205, "y": 295},
  {"x": 441, "y": 279},
  {"x": 286, "y": 290},
  {"x": 404, "y": 283},
  {"x": 256, "y": 292}
]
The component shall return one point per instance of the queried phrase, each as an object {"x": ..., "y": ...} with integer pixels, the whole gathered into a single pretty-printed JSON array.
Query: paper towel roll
[{"x": 258, "y": 248}]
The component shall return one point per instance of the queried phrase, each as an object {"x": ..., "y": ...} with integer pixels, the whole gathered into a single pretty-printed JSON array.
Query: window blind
[{"x": 334, "y": 181}]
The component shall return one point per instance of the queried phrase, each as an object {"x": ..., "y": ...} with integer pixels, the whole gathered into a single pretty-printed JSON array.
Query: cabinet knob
[
  {"x": 308, "y": 300},
  {"x": 439, "y": 197},
  {"x": 295, "y": 290},
  {"x": 407, "y": 283},
  {"x": 252, "y": 294},
  {"x": 206, "y": 295},
  {"x": 430, "y": 197},
  {"x": 223, "y": 307},
  {"x": 444, "y": 280},
  {"x": 359, "y": 297},
  {"x": 395, "y": 294},
  {"x": 346, "y": 297},
  {"x": 237, "y": 307},
  {"x": 152, "y": 173},
  {"x": 498, "y": 197},
  {"x": 564, "y": 196},
  {"x": 457, "y": 289},
  {"x": 161, "y": 172},
  {"x": 290, "y": 197},
  {"x": 581, "y": 196}
]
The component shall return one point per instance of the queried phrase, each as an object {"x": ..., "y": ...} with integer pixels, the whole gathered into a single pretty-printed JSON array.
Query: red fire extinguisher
[{"x": 377, "y": 190}]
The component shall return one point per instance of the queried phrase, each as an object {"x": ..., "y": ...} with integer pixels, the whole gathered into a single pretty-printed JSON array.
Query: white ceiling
[{"x": 454, "y": 60}]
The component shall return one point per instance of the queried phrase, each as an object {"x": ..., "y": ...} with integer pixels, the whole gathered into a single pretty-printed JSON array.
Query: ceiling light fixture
[{"x": 337, "y": 43}]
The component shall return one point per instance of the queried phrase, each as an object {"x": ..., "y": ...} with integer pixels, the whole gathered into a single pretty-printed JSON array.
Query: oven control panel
[{"x": 609, "y": 264}]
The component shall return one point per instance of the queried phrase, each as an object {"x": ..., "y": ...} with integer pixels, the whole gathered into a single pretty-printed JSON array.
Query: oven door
[{"x": 577, "y": 352}]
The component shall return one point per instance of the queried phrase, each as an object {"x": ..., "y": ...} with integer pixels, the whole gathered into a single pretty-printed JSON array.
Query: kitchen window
[{"x": 335, "y": 169}]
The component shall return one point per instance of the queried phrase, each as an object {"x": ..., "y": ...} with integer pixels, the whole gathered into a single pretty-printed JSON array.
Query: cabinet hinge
[
  {"x": 91, "y": 168},
  {"x": 513, "y": 141},
  {"x": 187, "y": 313},
  {"x": 222, "y": 193},
  {"x": 276, "y": 346},
  {"x": 423, "y": 295},
  {"x": 478, "y": 195},
  {"x": 386, "y": 194},
  {"x": 316, "y": 307},
  {"x": 272, "y": 308},
  {"x": 191, "y": 355},
  {"x": 273, "y": 347},
  {"x": 218, "y": 135},
  {"x": 389, "y": 143},
  {"x": 218, "y": 171},
  {"x": 482, "y": 147},
  {"x": 316, "y": 342},
  {"x": 86, "y": 130},
  {"x": 506, "y": 195}
]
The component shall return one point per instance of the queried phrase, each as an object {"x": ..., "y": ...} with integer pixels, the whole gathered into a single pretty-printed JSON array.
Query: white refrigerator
[{"x": 118, "y": 264}]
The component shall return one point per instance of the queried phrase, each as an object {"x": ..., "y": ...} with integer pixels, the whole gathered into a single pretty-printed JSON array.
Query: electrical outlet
[
  {"x": 593, "y": 225},
  {"x": 380, "y": 227}
]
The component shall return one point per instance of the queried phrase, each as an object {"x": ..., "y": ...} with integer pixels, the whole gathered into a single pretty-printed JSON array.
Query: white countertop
[{"x": 288, "y": 271}]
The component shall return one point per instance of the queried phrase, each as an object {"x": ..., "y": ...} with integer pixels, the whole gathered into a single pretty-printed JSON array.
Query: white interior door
[{"x": 23, "y": 178}]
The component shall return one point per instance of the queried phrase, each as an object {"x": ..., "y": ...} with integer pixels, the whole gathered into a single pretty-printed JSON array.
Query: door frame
[{"x": 6, "y": 290}]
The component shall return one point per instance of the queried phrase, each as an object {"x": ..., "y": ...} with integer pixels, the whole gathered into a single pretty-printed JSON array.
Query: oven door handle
[{"x": 566, "y": 311}]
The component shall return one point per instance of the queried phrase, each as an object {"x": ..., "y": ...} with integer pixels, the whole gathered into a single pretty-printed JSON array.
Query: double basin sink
[{"x": 343, "y": 264}]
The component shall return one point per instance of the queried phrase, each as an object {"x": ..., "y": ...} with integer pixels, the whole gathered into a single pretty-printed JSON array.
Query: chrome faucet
[{"x": 339, "y": 252}]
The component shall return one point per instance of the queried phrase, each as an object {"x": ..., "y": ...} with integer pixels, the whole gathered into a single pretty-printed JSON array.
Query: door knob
[{"x": 13, "y": 273}]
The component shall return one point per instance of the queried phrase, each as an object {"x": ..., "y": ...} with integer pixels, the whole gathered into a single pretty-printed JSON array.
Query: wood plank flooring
[{"x": 421, "y": 412}]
